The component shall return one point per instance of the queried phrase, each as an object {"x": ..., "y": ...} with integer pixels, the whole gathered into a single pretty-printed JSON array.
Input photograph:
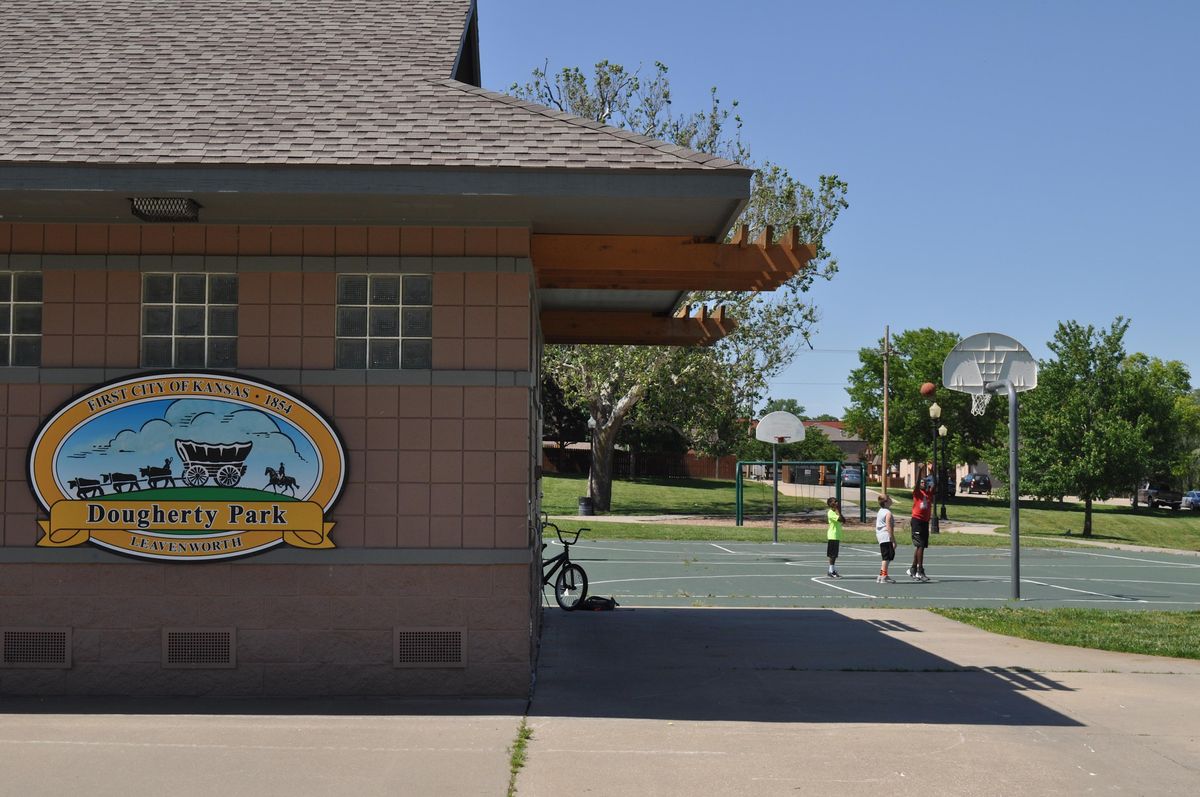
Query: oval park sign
[{"x": 186, "y": 466}]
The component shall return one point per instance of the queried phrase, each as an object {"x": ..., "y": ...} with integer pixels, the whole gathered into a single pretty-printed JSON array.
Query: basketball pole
[
  {"x": 775, "y": 492},
  {"x": 1014, "y": 517}
]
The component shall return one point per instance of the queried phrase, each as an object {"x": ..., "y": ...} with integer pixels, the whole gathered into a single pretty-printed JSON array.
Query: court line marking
[
  {"x": 817, "y": 580},
  {"x": 726, "y": 550},
  {"x": 943, "y": 552},
  {"x": 1130, "y": 558},
  {"x": 1084, "y": 591},
  {"x": 890, "y": 598},
  {"x": 823, "y": 581}
]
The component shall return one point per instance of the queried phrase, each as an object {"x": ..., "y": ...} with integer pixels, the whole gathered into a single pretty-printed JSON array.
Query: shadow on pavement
[{"x": 768, "y": 666}]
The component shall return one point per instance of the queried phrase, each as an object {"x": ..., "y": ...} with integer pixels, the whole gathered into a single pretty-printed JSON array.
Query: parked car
[
  {"x": 976, "y": 483},
  {"x": 1154, "y": 494},
  {"x": 852, "y": 477},
  {"x": 1191, "y": 500}
]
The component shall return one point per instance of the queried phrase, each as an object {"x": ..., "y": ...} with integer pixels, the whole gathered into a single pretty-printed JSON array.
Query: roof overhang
[
  {"x": 614, "y": 252},
  {"x": 631, "y": 328},
  {"x": 646, "y": 266},
  {"x": 700, "y": 202}
]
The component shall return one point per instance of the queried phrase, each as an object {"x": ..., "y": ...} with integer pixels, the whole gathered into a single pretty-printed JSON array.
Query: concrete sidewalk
[
  {"x": 277, "y": 748},
  {"x": 671, "y": 702},
  {"x": 897, "y": 702}
]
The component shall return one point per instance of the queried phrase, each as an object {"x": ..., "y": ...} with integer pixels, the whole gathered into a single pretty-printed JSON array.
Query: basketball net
[{"x": 979, "y": 402}]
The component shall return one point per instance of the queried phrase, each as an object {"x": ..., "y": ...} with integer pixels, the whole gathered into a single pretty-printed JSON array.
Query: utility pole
[{"x": 887, "y": 350}]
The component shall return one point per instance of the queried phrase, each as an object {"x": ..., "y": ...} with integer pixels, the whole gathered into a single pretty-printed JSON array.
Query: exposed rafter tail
[{"x": 791, "y": 239}]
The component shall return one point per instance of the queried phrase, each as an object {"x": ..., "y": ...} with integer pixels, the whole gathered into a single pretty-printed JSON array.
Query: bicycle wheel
[{"x": 570, "y": 587}]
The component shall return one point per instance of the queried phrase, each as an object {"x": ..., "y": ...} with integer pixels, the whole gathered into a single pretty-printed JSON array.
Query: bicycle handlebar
[{"x": 562, "y": 535}]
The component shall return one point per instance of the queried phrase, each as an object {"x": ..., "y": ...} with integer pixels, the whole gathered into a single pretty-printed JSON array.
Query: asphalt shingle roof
[{"x": 322, "y": 82}]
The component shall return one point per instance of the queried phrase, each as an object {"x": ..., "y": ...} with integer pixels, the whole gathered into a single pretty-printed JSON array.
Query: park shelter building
[{"x": 314, "y": 206}]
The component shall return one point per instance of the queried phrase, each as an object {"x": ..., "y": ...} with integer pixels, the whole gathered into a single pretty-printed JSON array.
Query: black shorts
[
  {"x": 831, "y": 548},
  {"x": 887, "y": 550},
  {"x": 920, "y": 533}
]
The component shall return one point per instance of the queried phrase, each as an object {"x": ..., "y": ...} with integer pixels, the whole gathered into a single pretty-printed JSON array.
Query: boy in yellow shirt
[{"x": 833, "y": 535}]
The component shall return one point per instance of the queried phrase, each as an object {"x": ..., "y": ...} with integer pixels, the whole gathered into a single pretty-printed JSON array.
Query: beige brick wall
[
  {"x": 430, "y": 467},
  {"x": 443, "y": 467},
  {"x": 301, "y": 629}
]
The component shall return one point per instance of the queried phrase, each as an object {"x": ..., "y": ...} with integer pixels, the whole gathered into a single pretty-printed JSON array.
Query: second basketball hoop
[{"x": 988, "y": 358}]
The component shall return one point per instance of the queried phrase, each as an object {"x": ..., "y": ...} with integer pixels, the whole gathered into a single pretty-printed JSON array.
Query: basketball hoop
[
  {"x": 979, "y": 402},
  {"x": 987, "y": 359},
  {"x": 979, "y": 365}
]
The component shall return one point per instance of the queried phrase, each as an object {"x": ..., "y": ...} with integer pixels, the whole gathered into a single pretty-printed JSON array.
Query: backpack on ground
[{"x": 596, "y": 603}]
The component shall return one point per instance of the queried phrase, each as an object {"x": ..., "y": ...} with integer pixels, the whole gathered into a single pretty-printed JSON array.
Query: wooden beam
[
  {"x": 644, "y": 262},
  {"x": 632, "y": 328},
  {"x": 673, "y": 281}
]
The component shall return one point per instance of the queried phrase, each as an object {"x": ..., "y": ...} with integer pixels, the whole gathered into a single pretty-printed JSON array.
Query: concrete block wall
[{"x": 433, "y": 528}]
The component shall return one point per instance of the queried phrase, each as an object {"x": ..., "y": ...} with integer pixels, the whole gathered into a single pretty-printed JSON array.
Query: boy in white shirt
[{"x": 885, "y": 533}]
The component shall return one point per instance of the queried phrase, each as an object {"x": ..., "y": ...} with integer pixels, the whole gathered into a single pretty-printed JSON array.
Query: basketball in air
[{"x": 928, "y": 389}]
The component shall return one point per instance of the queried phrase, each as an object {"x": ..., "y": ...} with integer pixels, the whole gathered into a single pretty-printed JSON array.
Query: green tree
[
  {"x": 1076, "y": 436},
  {"x": 702, "y": 392},
  {"x": 1158, "y": 401},
  {"x": 784, "y": 405},
  {"x": 1189, "y": 410},
  {"x": 916, "y": 357}
]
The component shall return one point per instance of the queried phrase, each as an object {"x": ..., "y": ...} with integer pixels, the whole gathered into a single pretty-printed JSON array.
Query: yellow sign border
[{"x": 302, "y": 523}]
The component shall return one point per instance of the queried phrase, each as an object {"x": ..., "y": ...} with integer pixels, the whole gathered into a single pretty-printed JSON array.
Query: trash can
[{"x": 585, "y": 505}]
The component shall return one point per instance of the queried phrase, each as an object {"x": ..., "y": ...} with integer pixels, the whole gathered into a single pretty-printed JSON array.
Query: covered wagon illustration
[{"x": 225, "y": 463}]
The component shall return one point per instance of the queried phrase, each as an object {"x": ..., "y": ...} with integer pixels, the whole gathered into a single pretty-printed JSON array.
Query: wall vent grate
[
  {"x": 35, "y": 648},
  {"x": 199, "y": 648},
  {"x": 430, "y": 647}
]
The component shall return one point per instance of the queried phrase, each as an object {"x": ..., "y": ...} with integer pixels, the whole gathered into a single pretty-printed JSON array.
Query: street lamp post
[
  {"x": 942, "y": 431},
  {"x": 935, "y": 412}
]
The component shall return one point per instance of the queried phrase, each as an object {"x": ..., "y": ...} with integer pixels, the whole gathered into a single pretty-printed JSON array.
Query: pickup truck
[{"x": 1154, "y": 494}]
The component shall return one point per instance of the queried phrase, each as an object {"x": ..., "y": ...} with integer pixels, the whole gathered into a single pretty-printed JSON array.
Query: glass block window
[
  {"x": 189, "y": 320},
  {"x": 384, "y": 321},
  {"x": 20, "y": 318}
]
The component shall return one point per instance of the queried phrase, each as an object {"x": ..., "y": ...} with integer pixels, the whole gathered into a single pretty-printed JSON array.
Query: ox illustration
[
  {"x": 86, "y": 488},
  {"x": 156, "y": 476},
  {"x": 121, "y": 482}
]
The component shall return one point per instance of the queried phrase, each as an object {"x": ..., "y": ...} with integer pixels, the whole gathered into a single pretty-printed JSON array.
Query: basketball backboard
[
  {"x": 780, "y": 427},
  {"x": 986, "y": 358}
]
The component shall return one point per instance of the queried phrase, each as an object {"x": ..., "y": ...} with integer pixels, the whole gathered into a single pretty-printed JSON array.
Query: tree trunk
[
  {"x": 1087, "y": 517},
  {"x": 604, "y": 444}
]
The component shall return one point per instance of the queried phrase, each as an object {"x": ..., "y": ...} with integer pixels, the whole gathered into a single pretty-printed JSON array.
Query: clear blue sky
[{"x": 1011, "y": 165}]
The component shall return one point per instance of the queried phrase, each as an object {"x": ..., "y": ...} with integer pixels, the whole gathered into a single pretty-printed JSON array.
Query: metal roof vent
[{"x": 165, "y": 208}]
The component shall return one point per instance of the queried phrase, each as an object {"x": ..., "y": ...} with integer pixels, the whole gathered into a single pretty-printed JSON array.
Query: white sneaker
[
  {"x": 923, "y": 577},
  {"x": 887, "y": 580},
  {"x": 878, "y": 579},
  {"x": 911, "y": 573}
]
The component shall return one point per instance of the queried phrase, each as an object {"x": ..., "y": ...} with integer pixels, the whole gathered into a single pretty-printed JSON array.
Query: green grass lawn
[
  {"x": 1159, "y": 528},
  {"x": 213, "y": 493},
  {"x": 669, "y": 497},
  {"x": 1043, "y": 523},
  {"x": 1154, "y": 633}
]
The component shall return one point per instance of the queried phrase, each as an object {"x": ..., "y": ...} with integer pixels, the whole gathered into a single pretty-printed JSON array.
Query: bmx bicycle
[{"x": 570, "y": 580}]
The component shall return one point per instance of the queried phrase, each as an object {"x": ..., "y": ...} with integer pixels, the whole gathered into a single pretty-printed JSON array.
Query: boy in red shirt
[{"x": 922, "y": 510}]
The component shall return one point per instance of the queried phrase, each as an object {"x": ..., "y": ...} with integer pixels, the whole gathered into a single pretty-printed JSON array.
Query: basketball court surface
[{"x": 762, "y": 575}]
